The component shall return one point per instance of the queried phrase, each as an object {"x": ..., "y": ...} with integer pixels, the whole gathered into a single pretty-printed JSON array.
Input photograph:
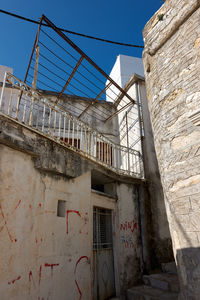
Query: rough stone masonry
[{"x": 172, "y": 71}]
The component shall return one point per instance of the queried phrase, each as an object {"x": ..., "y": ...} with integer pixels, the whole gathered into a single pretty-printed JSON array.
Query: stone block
[
  {"x": 148, "y": 293},
  {"x": 162, "y": 281}
]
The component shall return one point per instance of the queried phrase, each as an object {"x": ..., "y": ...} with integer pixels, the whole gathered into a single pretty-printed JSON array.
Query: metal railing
[{"x": 30, "y": 108}]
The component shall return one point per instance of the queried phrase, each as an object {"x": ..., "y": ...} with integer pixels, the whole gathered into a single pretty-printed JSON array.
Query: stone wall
[{"x": 172, "y": 64}]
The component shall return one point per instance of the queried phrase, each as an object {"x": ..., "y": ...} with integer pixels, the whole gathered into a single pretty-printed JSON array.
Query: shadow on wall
[{"x": 188, "y": 265}]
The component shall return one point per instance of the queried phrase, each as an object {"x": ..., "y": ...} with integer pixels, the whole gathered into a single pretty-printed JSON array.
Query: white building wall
[
  {"x": 121, "y": 72},
  {"x": 4, "y": 69}
]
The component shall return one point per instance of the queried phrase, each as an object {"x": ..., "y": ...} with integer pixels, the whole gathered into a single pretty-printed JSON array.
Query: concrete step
[
  {"x": 145, "y": 292},
  {"x": 163, "y": 281},
  {"x": 169, "y": 267}
]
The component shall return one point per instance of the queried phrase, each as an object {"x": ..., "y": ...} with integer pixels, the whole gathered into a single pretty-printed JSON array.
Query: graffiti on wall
[
  {"x": 83, "y": 219},
  {"x": 128, "y": 228},
  {"x": 6, "y": 221},
  {"x": 127, "y": 242},
  {"x": 75, "y": 271},
  {"x": 35, "y": 278},
  {"x": 36, "y": 284}
]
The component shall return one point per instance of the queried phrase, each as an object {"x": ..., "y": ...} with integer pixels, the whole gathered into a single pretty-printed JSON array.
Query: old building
[
  {"x": 172, "y": 64},
  {"x": 82, "y": 209}
]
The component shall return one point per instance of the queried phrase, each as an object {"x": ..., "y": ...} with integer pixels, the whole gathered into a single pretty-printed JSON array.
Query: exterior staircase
[{"x": 160, "y": 286}]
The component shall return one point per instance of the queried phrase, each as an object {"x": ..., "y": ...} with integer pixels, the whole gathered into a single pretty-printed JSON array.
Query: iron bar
[
  {"x": 137, "y": 88},
  {"x": 43, "y": 118},
  {"x": 95, "y": 100},
  {"x": 3, "y": 88},
  {"x": 10, "y": 101},
  {"x": 37, "y": 52},
  {"x": 118, "y": 111},
  {"x": 70, "y": 78}
]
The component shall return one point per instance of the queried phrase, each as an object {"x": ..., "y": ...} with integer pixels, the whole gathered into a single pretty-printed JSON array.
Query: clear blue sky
[{"x": 115, "y": 20}]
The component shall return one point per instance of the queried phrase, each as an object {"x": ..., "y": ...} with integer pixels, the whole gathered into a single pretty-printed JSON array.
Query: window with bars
[{"x": 102, "y": 228}]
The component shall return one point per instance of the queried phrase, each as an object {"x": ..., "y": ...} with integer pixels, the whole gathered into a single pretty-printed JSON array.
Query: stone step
[
  {"x": 145, "y": 292},
  {"x": 169, "y": 267},
  {"x": 163, "y": 281}
]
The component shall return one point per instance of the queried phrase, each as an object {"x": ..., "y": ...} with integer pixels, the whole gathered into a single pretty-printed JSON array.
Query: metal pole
[
  {"x": 69, "y": 79},
  {"x": 3, "y": 87},
  {"x": 37, "y": 52},
  {"x": 127, "y": 139},
  {"x": 138, "y": 97}
]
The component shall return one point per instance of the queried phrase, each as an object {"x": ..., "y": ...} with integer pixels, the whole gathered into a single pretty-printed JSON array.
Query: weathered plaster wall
[
  {"x": 44, "y": 256},
  {"x": 157, "y": 246},
  {"x": 41, "y": 255},
  {"x": 172, "y": 64},
  {"x": 156, "y": 227},
  {"x": 128, "y": 236}
]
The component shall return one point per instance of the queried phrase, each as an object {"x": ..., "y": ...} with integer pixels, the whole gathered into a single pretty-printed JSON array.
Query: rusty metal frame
[
  {"x": 70, "y": 78},
  {"x": 95, "y": 100},
  {"x": 118, "y": 111},
  {"x": 34, "y": 47},
  {"x": 83, "y": 56},
  {"x": 56, "y": 29}
]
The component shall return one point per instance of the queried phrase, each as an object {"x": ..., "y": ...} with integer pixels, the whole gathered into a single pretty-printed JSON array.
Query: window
[
  {"x": 102, "y": 228},
  {"x": 61, "y": 208}
]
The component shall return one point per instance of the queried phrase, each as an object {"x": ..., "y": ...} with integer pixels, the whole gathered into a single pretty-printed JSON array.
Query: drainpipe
[
  {"x": 138, "y": 100},
  {"x": 141, "y": 194}
]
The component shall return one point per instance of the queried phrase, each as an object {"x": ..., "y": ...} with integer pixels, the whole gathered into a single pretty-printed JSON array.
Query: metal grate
[{"x": 102, "y": 229}]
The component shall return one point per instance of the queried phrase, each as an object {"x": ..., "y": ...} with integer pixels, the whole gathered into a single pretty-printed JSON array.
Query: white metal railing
[{"x": 30, "y": 108}]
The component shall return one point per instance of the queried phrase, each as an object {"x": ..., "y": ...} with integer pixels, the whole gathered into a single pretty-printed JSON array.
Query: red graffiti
[
  {"x": 30, "y": 276},
  {"x": 128, "y": 244},
  {"x": 40, "y": 274},
  {"x": 67, "y": 217},
  {"x": 132, "y": 226},
  {"x": 52, "y": 266},
  {"x": 18, "y": 204},
  {"x": 5, "y": 221},
  {"x": 13, "y": 281},
  {"x": 78, "y": 261}
]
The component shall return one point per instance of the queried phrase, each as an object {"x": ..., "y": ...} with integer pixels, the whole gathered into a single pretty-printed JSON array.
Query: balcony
[{"x": 32, "y": 109}]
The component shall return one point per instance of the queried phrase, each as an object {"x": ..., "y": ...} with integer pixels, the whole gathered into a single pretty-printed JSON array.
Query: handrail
[{"x": 45, "y": 116}]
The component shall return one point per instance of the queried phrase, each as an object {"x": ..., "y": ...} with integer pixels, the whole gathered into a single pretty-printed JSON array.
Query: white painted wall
[
  {"x": 124, "y": 67},
  {"x": 4, "y": 69}
]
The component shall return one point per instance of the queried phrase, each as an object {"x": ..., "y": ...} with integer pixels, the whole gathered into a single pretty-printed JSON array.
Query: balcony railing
[{"x": 31, "y": 109}]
